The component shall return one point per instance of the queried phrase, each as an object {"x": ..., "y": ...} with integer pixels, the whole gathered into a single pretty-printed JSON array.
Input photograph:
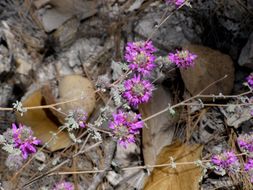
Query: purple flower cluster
[
  {"x": 125, "y": 126},
  {"x": 248, "y": 167},
  {"x": 24, "y": 140},
  {"x": 250, "y": 80},
  {"x": 64, "y": 186},
  {"x": 141, "y": 60},
  {"x": 137, "y": 90},
  {"x": 178, "y": 3},
  {"x": 182, "y": 59},
  {"x": 245, "y": 142},
  {"x": 225, "y": 162},
  {"x": 140, "y": 57}
]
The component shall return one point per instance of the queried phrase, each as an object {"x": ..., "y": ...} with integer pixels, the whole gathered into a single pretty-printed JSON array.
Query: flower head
[
  {"x": 245, "y": 142},
  {"x": 248, "y": 167},
  {"x": 182, "y": 59},
  {"x": 64, "y": 186},
  {"x": 140, "y": 57},
  {"x": 125, "y": 126},
  {"x": 14, "y": 162},
  {"x": 140, "y": 46},
  {"x": 137, "y": 90},
  {"x": 226, "y": 161},
  {"x": 178, "y": 3},
  {"x": 80, "y": 117},
  {"x": 24, "y": 140},
  {"x": 250, "y": 80}
]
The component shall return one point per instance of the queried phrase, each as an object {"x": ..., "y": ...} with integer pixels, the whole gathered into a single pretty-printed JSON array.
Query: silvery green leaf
[
  {"x": 17, "y": 106},
  {"x": 95, "y": 134},
  {"x": 41, "y": 167},
  {"x": 73, "y": 137},
  {"x": 56, "y": 161},
  {"x": 173, "y": 164},
  {"x": 116, "y": 96},
  {"x": 231, "y": 108},
  {"x": 10, "y": 149},
  {"x": 172, "y": 111},
  {"x": 126, "y": 106},
  {"x": 2, "y": 139}
]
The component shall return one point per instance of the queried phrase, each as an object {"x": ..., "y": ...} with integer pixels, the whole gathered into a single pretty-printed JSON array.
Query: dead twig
[{"x": 108, "y": 160}]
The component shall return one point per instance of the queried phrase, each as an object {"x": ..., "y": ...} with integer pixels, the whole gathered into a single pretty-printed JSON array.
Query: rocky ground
[{"x": 42, "y": 41}]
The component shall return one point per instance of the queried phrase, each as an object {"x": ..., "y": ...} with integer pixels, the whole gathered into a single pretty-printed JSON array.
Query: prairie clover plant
[
  {"x": 24, "y": 140},
  {"x": 245, "y": 143},
  {"x": 248, "y": 167},
  {"x": 225, "y": 162},
  {"x": 125, "y": 126},
  {"x": 140, "y": 57},
  {"x": 64, "y": 186},
  {"x": 137, "y": 90},
  {"x": 182, "y": 59},
  {"x": 19, "y": 141},
  {"x": 76, "y": 119},
  {"x": 80, "y": 117}
]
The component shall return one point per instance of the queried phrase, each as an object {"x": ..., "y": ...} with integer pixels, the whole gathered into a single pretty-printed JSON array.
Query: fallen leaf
[
  {"x": 160, "y": 130},
  {"x": 41, "y": 124},
  {"x": 183, "y": 177}
]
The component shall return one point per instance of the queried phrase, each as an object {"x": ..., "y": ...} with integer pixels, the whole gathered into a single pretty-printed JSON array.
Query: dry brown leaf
[
  {"x": 160, "y": 130},
  {"x": 183, "y": 177},
  {"x": 41, "y": 124}
]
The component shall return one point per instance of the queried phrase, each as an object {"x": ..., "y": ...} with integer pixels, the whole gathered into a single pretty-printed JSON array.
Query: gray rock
[
  {"x": 62, "y": 11},
  {"x": 175, "y": 32},
  {"x": 6, "y": 91},
  {"x": 210, "y": 66},
  {"x": 246, "y": 56}
]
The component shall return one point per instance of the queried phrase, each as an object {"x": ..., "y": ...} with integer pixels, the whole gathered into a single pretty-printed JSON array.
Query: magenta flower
[
  {"x": 137, "y": 90},
  {"x": 248, "y": 167},
  {"x": 245, "y": 142},
  {"x": 140, "y": 46},
  {"x": 125, "y": 126},
  {"x": 64, "y": 186},
  {"x": 250, "y": 80},
  {"x": 182, "y": 59},
  {"x": 178, "y": 3},
  {"x": 24, "y": 140},
  {"x": 227, "y": 161},
  {"x": 140, "y": 57}
]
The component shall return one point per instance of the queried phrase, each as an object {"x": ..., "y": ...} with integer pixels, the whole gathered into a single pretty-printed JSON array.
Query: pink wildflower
[
  {"x": 226, "y": 161},
  {"x": 24, "y": 140},
  {"x": 182, "y": 59},
  {"x": 125, "y": 126},
  {"x": 140, "y": 57},
  {"x": 137, "y": 90},
  {"x": 248, "y": 167},
  {"x": 245, "y": 142},
  {"x": 64, "y": 186},
  {"x": 178, "y": 3},
  {"x": 250, "y": 80}
]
